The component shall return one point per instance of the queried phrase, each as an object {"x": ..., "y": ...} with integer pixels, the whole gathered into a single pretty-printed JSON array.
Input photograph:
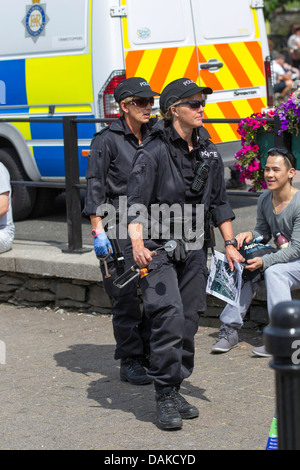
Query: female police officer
[
  {"x": 109, "y": 164},
  {"x": 174, "y": 288}
]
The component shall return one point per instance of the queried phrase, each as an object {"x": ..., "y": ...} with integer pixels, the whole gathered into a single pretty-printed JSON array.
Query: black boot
[
  {"x": 186, "y": 410},
  {"x": 168, "y": 416},
  {"x": 133, "y": 372}
]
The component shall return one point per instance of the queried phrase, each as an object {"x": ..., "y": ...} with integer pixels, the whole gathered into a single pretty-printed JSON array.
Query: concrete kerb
[
  {"x": 45, "y": 259},
  {"x": 74, "y": 280},
  {"x": 74, "y": 273},
  {"x": 42, "y": 274}
]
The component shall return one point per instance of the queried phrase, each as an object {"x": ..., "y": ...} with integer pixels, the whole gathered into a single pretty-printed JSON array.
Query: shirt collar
[
  {"x": 175, "y": 136},
  {"x": 128, "y": 131}
]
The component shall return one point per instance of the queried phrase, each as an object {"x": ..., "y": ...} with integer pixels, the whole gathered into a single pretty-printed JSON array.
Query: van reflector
[
  {"x": 108, "y": 106},
  {"x": 85, "y": 153}
]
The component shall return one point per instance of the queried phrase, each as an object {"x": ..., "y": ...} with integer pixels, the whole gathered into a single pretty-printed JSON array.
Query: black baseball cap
[
  {"x": 180, "y": 88},
  {"x": 134, "y": 86}
]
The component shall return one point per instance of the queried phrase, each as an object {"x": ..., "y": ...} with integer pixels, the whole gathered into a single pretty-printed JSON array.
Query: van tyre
[
  {"x": 23, "y": 197},
  {"x": 44, "y": 202}
]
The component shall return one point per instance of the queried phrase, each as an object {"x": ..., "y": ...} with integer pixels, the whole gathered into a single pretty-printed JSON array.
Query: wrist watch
[
  {"x": 233, "y": 242},
  {"x": 95, "y": 232}
]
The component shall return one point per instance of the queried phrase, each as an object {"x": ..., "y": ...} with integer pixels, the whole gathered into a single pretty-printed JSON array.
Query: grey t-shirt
[
  {"x": 6, "y": 221},
  {"x": 286, "y": 222}
]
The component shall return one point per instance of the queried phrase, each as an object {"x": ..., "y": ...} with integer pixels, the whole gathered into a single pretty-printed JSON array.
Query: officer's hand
[
  {"x": 142, "y": 256},
  {"x": 101, "y": 245},
  {"x": 233, "y": 255},
  {"x": 179, "y": 253}
]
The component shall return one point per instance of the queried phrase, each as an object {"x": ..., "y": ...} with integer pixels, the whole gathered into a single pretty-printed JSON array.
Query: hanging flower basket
[
  {"x": 248, "y": 159},
  {"x": 257, "y": 137},
  {"x": 296, "y": 149}
]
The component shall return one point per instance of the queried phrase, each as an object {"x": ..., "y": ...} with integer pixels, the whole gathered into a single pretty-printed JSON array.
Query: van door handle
[{"x": 213, "y": 65}]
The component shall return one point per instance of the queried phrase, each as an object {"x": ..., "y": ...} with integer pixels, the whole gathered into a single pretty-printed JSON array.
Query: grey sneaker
[
  {"x": 261, "y": 352},
  {"x": 228, "y": 339}
]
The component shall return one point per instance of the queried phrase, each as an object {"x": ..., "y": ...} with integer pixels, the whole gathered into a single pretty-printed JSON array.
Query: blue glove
[{"x": 101, "y": 245}]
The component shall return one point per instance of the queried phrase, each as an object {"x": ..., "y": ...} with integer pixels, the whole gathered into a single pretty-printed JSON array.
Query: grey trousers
[
  {"x": 280, "y": 280},
  {"x": 6, "y": 239}
]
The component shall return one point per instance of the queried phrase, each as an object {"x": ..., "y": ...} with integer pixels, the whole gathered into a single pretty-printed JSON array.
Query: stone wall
[
  {"x": 256, "y": 317},
  {"x": 88, "y": 296},
  {"x": 281, "y": 22},
  {"x": 72, "y": 294},
  {"x": 280, "y": 26}
]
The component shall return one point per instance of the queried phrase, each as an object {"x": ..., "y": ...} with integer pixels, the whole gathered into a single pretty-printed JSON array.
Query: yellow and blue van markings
[{"x": 31, "y": 86}]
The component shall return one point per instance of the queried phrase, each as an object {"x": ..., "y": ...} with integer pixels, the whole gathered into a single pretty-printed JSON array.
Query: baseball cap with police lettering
[
  {"x": 180, "y": 88},
  {"x": 134, "y": 86}
]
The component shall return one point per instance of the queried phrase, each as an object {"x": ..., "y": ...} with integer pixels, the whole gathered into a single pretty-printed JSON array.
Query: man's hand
[
  {"x": 253, "y": 264},
  {"x": 233, "y": 255},
  {"x": 243, "y": 237},
  {"x": 4, "y": 203}
]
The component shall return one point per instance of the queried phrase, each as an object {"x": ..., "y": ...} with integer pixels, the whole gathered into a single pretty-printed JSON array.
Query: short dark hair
[{"x": 289, "y": 158}]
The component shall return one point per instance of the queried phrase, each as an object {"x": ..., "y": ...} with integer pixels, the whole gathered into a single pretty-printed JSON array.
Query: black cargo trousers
[
  {"x": 131, "y": 327},
  {"x": 174, "y": 295}
]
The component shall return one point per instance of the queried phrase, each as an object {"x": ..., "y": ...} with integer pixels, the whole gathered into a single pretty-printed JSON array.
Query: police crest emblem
[{"x": 35, "y": 20}]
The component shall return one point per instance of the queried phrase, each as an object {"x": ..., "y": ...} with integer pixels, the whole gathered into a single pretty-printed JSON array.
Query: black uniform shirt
[
  {"x": 110, "y": 162},
  {"x": 164, "y": 168},
  {"x": 187, "y": 161}
]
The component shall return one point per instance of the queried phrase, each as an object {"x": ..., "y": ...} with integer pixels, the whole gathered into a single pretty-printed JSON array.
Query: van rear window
[
  {"x": 234, "y": 19},
  {"x": 156, "y": 21}
]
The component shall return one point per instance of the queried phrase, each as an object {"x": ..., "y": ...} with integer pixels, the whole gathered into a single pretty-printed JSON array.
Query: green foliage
[{"x": 271, "y": 5}]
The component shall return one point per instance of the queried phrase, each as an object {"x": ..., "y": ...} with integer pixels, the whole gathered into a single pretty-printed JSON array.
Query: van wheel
[
  {"x": 23, "y": 197},
  {"x": 44, "y": 202}
]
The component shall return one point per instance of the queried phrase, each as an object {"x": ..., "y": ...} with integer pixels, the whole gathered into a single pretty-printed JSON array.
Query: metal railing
[{"x": 72, "y": 180}]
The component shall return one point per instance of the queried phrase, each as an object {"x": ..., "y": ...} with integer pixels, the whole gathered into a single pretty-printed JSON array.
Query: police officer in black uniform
[
  {"x": 109, "y": 164},
  {"x": 177, "y": 164}
]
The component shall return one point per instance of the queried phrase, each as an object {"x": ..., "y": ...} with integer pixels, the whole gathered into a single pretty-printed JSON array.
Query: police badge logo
[{"x": 35, "y": 20}]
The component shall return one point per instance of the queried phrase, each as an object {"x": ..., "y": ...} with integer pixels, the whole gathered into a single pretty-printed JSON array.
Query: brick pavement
[
  {"x": 60, "y": 386},
  {"x": 60, "y": 389}
]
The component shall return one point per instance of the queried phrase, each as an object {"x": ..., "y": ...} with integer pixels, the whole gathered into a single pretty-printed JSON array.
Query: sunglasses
[
  {"x": 276, "y": 149},
  {"x": 194, "y": 104},
  {"x": 286, "y": 153},
  {"x": 142, "y": 102}
]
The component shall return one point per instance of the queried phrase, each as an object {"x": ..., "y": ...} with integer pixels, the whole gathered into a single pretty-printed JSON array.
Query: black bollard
[{"x": 282, "y": 340}]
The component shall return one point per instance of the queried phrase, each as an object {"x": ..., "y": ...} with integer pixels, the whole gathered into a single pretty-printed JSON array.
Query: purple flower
[
  {"x": 284, "y": 125},
  {"x": 248, "y": 159},
  {"x": 263, "y": 184}
]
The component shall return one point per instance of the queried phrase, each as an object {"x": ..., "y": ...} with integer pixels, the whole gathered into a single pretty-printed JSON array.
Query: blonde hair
[
  {"x": 168, "y": 115},
  {"x": 125, "y": 101}
]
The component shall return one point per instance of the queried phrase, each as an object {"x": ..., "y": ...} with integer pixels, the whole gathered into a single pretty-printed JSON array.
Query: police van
[{"x": 61, "y": 58}]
